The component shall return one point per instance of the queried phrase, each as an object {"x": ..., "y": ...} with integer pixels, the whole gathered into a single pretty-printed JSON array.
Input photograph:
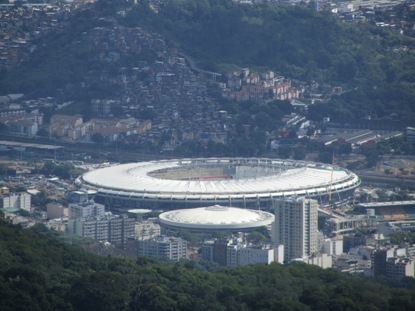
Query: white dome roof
[{"x": 216, "y": 217}]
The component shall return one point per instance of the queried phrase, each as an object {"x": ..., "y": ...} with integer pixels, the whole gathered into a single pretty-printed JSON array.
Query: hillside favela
[{"x": 207, "y": 155}]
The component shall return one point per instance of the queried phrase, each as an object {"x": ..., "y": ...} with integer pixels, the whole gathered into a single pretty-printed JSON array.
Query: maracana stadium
[{"x": 237, "y": 182}]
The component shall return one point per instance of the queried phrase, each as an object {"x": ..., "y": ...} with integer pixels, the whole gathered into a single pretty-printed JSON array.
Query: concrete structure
[
  {"x": 410, "y": 134},
  {"x": 16, "y": 201},
  {"x": 216, "y": 218},
  {"x": 231, "y": 253},
  {"x": 333, "y": 246},
  {"x": 346, "y": 225},
  {"x": 352, "y": 263},
  {"x": 4, "y": 190},
  {"x": 279, "y": 254},
  {"x": 241, "y": 182},
  {"x": 295, "y": 227},
  {"x": 78, "y": 196},
  {"x": 390, "y": 211},
  {"x": 353, "y": 240},
  {"x": 397, "y": 268},
  {"x": 392, "y": 262},
  {"x": 56, "y": 210},
  {"x": 86, "y": 209},
  {"x": 146, "y": 230},
  {"x": 216, "y": 251},
  {"x": 139, "y": 213},
  {"x": 163, "y": 247},
  {"x": 253, "y": 255},
  {"x": 115, "y": 230},
  {"x": 322, "y": 260}
]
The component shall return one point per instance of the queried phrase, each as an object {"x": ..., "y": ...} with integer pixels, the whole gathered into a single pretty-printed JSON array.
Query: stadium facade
[{"x": 237, "y": 182}]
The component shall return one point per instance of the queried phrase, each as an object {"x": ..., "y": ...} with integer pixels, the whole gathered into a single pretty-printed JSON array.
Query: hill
[
  {"x": 40, "y": 273},
  {"x": 297, "y": 42},
  {"x": 374, "y": 66}
]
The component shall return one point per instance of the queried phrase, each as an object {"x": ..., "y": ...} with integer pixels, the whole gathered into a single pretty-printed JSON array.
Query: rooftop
[{"x": 216, "y": 217}]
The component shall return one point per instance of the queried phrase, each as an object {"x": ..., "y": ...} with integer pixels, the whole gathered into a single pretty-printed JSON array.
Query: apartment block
[
  {"x": 295, "y": 227},
  {"x": 113, "y": 229},
  {"x": 16, "y": 201},
  {"x": 163, "y": 247},
  {"x": 86, "y": 209}
]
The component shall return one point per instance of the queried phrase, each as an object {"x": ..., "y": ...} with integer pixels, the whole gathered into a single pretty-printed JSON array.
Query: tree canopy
[{"x": 41, "y": 273}]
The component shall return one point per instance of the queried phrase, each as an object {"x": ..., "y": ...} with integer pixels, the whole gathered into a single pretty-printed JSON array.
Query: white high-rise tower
[{"x": 295, "y": 227}]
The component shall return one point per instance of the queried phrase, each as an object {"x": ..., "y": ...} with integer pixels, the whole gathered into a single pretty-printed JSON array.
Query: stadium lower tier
[{"x": 125, "y": 202}]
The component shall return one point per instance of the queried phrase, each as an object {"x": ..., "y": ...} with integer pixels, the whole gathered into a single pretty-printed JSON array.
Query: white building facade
[
  {"x": 163, "y": 247},
  {"x": 86, "y": 209},
  {"x": 17, "y": 200},
  {"x": 254, "y": 255},
  {"x": 112, "y": 229},
  {"x": 295, "y": 227}
]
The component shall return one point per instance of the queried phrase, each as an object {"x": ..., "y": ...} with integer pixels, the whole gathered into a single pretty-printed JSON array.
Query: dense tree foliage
[{"x": 40, "y": 273}]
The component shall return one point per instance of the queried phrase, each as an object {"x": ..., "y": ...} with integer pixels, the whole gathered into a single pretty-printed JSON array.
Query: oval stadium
[
  {"x": 216, "y": 218},
  {"x": 238, "y": 182}
]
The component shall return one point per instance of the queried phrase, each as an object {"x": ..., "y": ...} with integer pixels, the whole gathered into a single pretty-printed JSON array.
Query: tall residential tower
[{"x": 295, "y": 227}]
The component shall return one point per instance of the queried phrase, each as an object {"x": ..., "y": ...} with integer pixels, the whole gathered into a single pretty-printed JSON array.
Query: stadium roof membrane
[{"x": 216, "y": 180}]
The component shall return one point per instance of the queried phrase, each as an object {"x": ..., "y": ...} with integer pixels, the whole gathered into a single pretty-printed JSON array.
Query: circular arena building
[
  {"x": 239, "y": 182},
  {"x": 216, "y": 218}
]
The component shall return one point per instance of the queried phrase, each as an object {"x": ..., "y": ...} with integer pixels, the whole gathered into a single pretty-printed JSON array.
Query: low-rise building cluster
[
  {"x": 14, "y": 201},
  {"x": 73, "y": 128},
  {"x": 243, "y": 85},
  {"x": 22, "y": 25},
  {"x": 90, "y": 220},
  {"x": 235, "y": 252}
]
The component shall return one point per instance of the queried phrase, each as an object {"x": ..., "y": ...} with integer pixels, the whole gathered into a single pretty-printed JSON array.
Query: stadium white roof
[
  {"x": 289, "y": 178},
  {"x": 216, "y": 217}
]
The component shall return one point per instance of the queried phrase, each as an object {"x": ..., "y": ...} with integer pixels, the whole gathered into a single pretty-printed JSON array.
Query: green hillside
[
  {"x": 369, "y": 62},
  {"x": 39, "y": 273},
  {"x": 297, "y": 42}
]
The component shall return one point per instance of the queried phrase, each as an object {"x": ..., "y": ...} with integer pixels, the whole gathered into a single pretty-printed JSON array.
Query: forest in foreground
[{"x": 41, "y": 273}]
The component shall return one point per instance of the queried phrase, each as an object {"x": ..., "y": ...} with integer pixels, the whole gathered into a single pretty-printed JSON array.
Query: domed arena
[
  {"x": 238, "y": 182},
  {"x": 216, "y": 218}
]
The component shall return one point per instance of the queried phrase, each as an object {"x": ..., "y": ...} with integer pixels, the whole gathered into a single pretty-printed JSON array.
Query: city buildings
[
  {"x": 86, "y": 209},
  {"x": 146, "y": 229},
  {"x": 163, "y": 247},
  {"x": 112, "y": 229},
  {"x": 397, "y": 268},
  {"x": 393, "y": 263},
  {"x": 89, "y": 219},
  {"x": 15, "y": 201},
  {"x": 322, "y": 260},
  {"x": 234, "y": 253},
  {"x": 295, "y": 227},
  {"x": 56, "y": 210},
  {"x": 333, "y": 246},
  {"x": 242, "y": 85}
]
